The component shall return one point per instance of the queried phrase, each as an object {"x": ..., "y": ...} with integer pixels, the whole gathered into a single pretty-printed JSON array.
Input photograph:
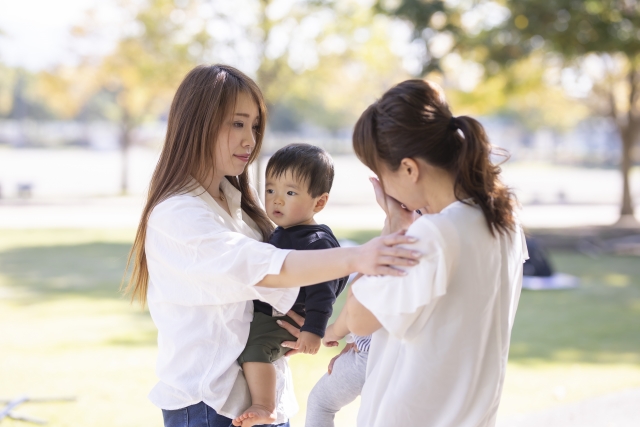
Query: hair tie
[{"x": 453, "y": 123}]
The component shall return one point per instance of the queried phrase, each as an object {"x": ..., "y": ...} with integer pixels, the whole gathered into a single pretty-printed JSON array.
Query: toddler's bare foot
[{"x": 255, "y": 415}]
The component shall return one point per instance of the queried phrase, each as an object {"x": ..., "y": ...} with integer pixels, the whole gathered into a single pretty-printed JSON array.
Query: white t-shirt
[
  {"x": 440, "y": 357},
  {"x": 203, "y": 267}
]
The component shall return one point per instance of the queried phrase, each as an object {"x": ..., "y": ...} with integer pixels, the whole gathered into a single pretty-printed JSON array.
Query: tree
[
  {"x": 562, "y": 34},
  {"x": 8, "y": 77},
  {"x": 166, "y": 38},
  {"x": 320, "y": 62},
  {"x": 579, "y": 31},
  {"x": 67, "y": 90},
  {"x": 319, "y": 57},
  {"x": 146, "y": 66}
]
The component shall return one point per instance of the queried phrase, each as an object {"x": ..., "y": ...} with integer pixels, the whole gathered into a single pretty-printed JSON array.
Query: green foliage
[
  {"x": 477, "y": 42},
  {"x": 7, "y": 82},
  {"x": 520, "y": 91},
  {"x": 429, "y": 18},
  {"x": 324, "y": 76},
  {"x": 605, "y": 29},
  {"x": 148, "y": 64},
  {"x": 570, "y": 27},
  {"x": 20, "y": 97},
  {"x": 353, "y": 62},
  {"x": 67, "y": 90}
]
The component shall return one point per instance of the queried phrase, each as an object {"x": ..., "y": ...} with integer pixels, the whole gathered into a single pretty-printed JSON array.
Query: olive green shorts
[{"x": 264, "y": 340}]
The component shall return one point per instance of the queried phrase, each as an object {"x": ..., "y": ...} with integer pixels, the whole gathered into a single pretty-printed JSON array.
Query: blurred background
[{"x": 85, "y": 89}]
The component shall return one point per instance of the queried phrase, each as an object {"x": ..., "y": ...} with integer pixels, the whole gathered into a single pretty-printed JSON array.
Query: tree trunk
[
  {"x": 629, "y": 134},
  {"x": 125, "y": 144},
  {"x": 628, "y": 137}
]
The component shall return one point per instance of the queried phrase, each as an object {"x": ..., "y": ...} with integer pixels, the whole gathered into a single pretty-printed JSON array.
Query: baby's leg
[
  {"x": 261, "y": 378},
  {"x": 334, "y": 391}
]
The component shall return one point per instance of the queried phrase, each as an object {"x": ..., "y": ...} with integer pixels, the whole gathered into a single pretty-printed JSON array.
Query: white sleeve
[
  {"x": 398, "y": 302},
  {"x": 195, "y": 260},
  {"x": 523, "y": 242}
]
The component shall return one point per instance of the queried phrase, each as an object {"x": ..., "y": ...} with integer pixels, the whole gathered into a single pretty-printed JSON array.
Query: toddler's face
[{"x": 288, "y": 203}]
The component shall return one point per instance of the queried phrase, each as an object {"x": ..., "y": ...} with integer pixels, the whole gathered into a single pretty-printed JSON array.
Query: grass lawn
[{"x": 65, "y": 331}]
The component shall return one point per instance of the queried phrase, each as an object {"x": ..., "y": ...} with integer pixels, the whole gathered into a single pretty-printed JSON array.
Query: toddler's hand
[
  {"x": 308, "y": 343},
  {"x": 293, "y": 345},
  {"x": 330, "y": 338}
]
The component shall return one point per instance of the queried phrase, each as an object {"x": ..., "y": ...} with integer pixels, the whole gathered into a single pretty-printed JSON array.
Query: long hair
[
  {"x": 413, "y": 120},
  {"x": 206, "y": 96}
]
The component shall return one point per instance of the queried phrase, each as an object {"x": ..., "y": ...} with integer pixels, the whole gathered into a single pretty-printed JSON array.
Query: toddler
[
  {"x": 298, "y": 181},
  {"x": 342, "y": 384}
]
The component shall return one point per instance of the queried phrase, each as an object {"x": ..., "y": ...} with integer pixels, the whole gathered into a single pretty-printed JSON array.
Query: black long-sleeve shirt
[{"x": 315, "y": 302}]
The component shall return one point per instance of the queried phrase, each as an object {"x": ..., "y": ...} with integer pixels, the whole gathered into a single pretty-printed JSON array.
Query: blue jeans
[{"x": 199, "y": 415}]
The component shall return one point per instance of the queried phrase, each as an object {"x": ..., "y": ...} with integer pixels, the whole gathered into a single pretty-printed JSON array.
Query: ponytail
[
  {"x": 413, "y": 120},
  {"x": 478, "y": 178}
]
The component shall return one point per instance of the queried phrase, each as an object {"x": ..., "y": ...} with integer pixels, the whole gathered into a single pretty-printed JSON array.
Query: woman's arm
[
  {"x": 379, "y": 256},
  {"x": 355, "y": 318},
  {"x": 359, "y": 319}
]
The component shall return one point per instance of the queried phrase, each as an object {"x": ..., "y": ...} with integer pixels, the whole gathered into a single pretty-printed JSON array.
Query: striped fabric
[{"x": 362, "y": 343}]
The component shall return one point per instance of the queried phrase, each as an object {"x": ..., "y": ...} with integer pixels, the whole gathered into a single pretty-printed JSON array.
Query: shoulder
[
  {"x": 280, "y": 238},
  {"x": 278, "y": 234},
  {"x": 454, "y": 222},
  {"x": 320, "y": 237},
  {"x": 443, "y": 233},
  {"x": 184, "y": 214},
  {"x": 177, "y": 206},
  {"x": 429, "y": 230}
]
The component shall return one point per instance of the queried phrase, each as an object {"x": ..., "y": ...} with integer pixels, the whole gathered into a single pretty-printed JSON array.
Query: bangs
[{"x": 365, "y": 143}]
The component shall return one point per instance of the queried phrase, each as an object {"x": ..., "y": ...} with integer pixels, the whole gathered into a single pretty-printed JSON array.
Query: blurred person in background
[{"x": 199, "y": 259}]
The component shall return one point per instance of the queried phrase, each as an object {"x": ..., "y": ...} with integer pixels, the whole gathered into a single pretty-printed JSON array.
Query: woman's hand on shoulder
[{"x": 384, "y": 255}]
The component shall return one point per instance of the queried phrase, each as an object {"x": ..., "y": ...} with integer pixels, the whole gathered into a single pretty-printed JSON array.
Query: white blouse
[
  {"x": 203, "y": 267},
  {"x": 439, "y": 359}
]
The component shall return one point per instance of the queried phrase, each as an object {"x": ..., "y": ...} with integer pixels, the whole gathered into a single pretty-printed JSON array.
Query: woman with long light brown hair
[{"x": 199, "y": 258}]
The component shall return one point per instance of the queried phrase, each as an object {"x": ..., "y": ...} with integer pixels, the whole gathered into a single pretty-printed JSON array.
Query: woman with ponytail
[
  {"x": 199, "y": 258},
  {"x": 441, "y": 333}
]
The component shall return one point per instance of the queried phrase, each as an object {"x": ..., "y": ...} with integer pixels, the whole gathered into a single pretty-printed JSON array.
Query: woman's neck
[
  {"x": 440, "y": 200},
  {"x": 211, "y": 184},
  {"x": 439, "y": 188}
]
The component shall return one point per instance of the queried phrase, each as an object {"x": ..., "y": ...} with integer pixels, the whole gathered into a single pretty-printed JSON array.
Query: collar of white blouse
[{"x": 235, "y": 221}]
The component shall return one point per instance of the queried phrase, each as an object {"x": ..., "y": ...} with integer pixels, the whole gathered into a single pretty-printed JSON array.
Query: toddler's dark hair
[{"x": 306, "y": 163}]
